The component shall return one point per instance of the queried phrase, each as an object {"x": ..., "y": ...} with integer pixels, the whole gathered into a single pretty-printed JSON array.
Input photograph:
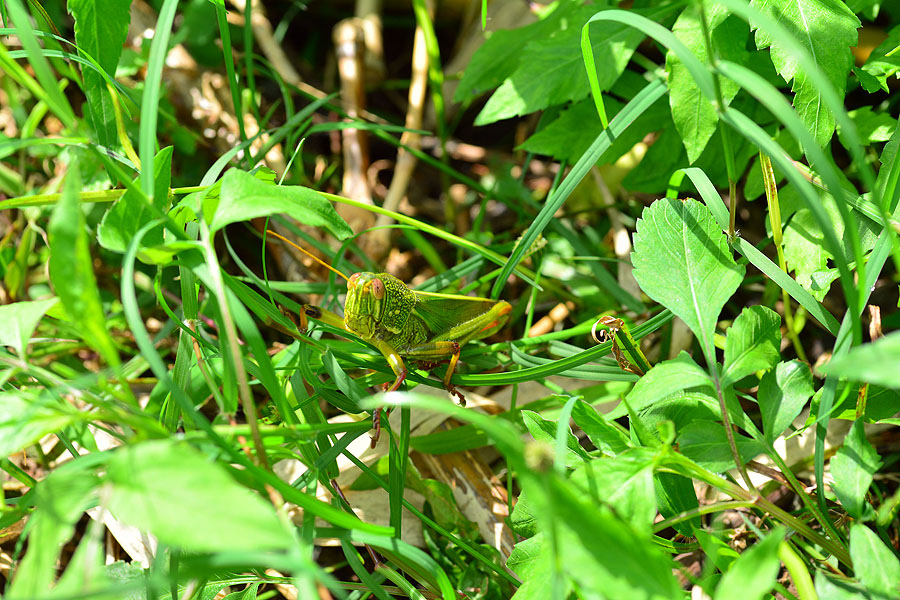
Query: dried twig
[{"x": 406, "y": 162}]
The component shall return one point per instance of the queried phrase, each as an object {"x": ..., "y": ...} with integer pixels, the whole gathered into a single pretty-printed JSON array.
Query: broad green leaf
[
  {"x": 84, "y": 573},
  {"x": 72, "y": 270},
  {"x": 682, "y": 408},
  {"x": 551, "y": 70},
  {"x": 707, "y": 445},
  {"x": 873, "y": 75},
  {"x": 752, "y": 343},
  {"x": 783, "y": 392},
  {"x": 805, "y": 253},
  {"x": 60, "y": 501},
  {"x": 682, "y": 260},
  {"x": 852, "y": 468},
  {"x": 128, "y": 576},
  {"x": 543, "y": 430},
  {"x": 872, "y": 126},
  {"x": 525, "y": 555},
  {"x": 522, "y": 519},
  {"x": 101, "y": 27},
  {"x": 598, "y": 550},
  {"x": 500, "y": 54},
  {"x": 827, "y": 30},
  {"x": 25, "y": 418},
  {"x": 605, "y": 558},
  {"x": 533, "y": 561},
  {"x": 20, "y": 320},
  {"x": 875, "y": 565},
  {"x": 835, "y": 589},
  {"x": 881, "y": 403},
  {"x": 695, "y": 114},
  {"x": 753, "y": 574},
  {"x": 717, "y": 550},
  {"x": 875, "y": 362},
  {"x": 665, "y": 156},
  {"x": 244, "y": 197},
  {"x": 568, "y": 136},
  {"x": 249, "y": 593},
  {"x": 625, "y": 483},
  {"x": 664, "y": 379},
  {"x": 179, "y": 495},
  {"x": 674, "y": 495},
  {"x": 572, "y": 132},
  {"x": 603, "y": 434},
  {"x": 129, "y": 213}
]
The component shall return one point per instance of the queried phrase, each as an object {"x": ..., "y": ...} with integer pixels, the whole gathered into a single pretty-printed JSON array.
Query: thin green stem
[
  {"x": 775, "y": 222},
  {"x": 798, "y": 570},
  {"x": 691, "y": 469},
  {"x": 234, "y": 350},
  {"x": 727, "y": 148},
  {"x": 702, "y": 510}
]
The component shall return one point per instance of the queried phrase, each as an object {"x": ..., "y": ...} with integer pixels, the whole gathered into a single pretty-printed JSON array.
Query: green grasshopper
[{"x": 401, "y": 322}]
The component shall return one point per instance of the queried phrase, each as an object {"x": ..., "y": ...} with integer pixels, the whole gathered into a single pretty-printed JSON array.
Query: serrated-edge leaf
[
  {"x": 693, "y": 114},
  {"x": 550, "y": 70},
  {"x": 543, "y": 430},
  {"x": 827, "y": 30},
  {"x": 682, "y": 260},
  {"x": 101, "y": 27},
  {"x": 663, "y": 379}
]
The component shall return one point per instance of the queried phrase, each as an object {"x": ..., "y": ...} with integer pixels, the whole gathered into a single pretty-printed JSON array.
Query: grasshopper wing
[{"x": 456, "y": 318}]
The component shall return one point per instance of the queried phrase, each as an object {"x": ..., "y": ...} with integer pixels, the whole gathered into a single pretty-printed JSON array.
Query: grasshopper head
[{"x": 370, "y": 299}]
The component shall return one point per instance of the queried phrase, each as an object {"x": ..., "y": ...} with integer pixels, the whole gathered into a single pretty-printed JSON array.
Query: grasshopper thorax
[{"x": 377, "y": 303}]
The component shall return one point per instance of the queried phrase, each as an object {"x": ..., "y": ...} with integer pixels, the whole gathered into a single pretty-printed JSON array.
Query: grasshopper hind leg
[
  {"x": 432, "y": 354},
  {"x": 450, "y": 387}
]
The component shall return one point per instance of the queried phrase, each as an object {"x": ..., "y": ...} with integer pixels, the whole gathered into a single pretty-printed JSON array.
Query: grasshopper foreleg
[
  {"x": 395, "y": 361},
  {"x": 392, "y": 356},
  {"x": 436, "y": 352}
]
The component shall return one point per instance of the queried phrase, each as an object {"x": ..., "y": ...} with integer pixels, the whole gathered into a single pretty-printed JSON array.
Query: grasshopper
[{"x": 401, "y": 322}]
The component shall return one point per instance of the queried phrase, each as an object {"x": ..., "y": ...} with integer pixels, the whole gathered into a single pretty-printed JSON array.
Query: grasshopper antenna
[{"x": 309, "y": 254}]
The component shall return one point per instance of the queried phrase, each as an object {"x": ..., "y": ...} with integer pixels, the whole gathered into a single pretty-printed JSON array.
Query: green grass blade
[
  {"x": 54, "y": 97},
  {"x": 835, "y": 103},
  {"x": 641, "y": 102},
  {"x": 764, "y": 142},
  {"x": 559, "y": 366},
  {"x": 159, "y": 48},
  {"x": 787, "y": 283},
  {"x": 228, "y": 56},
  {"x": 716, "y": 204}
]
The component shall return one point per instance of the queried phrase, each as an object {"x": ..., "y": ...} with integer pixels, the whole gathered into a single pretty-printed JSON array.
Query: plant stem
[{"x": 775, "y": 221}]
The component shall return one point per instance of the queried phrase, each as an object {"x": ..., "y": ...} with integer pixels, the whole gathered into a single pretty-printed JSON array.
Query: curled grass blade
[
  {"x": 716, "y": 204},
  {"x": 51, "y": 92},
  {"x": 640, "y": 103}
]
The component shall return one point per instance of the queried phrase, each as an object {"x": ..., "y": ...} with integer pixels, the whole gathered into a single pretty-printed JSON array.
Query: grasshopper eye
[
  {"x": 351, "y": 283},
  {"x": 377, "y": 289}
]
